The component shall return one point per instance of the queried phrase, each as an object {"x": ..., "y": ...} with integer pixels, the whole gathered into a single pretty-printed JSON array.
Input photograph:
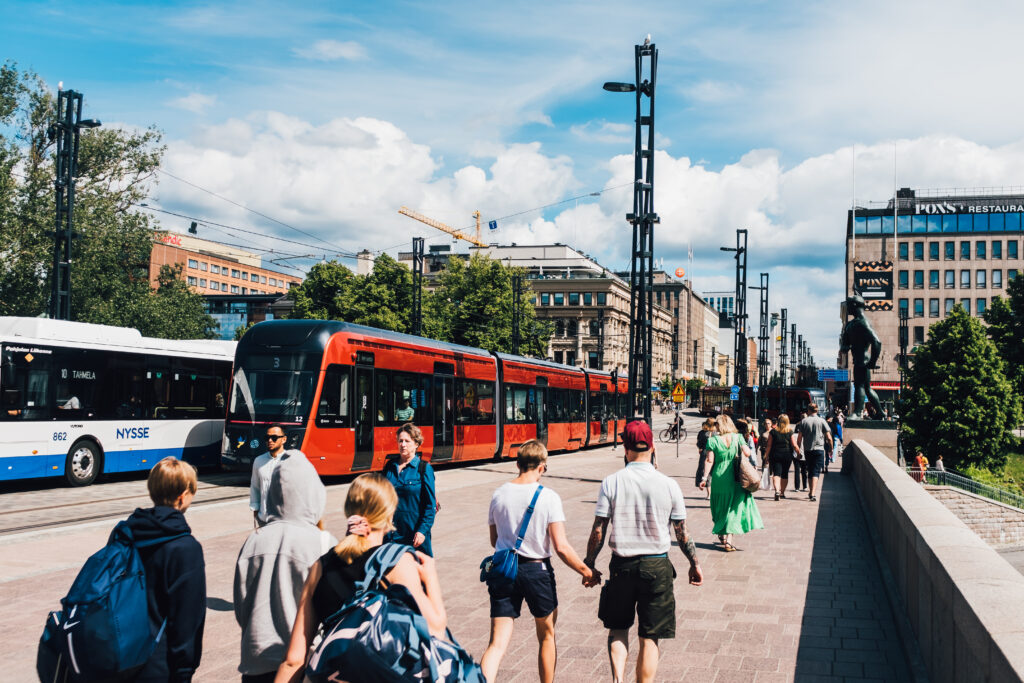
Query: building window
[
  {"x": 966, "y": 305},
  {"x": 558, "y": 356},
  {"x": 255, "y": 277},
  {"x": 235, "y": 273},
  {"x": 263, "y": 279},
  {"x": 559, "y": 327},
  {"x": 997, "y": 249},
  {"x": 215, "y": 269},
  {"x": 965, "y": 279},
  {"x": 191, "y": 280},
  {"x": 965, "y": 250},
  {"x": 933, "y": 251},
  {"x": 950, "y": 250},
  {"x": 574, "y": 298},
  {"x": 192, "y": 263},
  {"x": 245, "y": 276},
  {"x": 948, "y": 305},
  {"x": 202, "y": 266},
  {"x": 570, "y": 358},
  {"x": 572, "y": 329},
  {"x": 545, "y": 299},
  {"x": 602, "y": 298},
  {"x": 223, "y": 286},
  {"x": 918, "y": 308},
  {"x": 918, "y": 335},
  {"x": 588, "y": 299},
  {"x": 933, "y": 279},
  {"x": 980, "y": 279},
  {"x": 904, "y": 247},
  {"x": 202, "y": 282},
  {"x": 904, "y": 306},
  {"x": 595, "y": 328},
  {"x": 979, "y": 249},
  {"x": 950, "y": 279},
  {"x": 215, "y": 286},
  {"x": 1011, "y": 249},
  {"x": 1011, "y": 274},
  {"x": 592, "y": 360},
  {"x": 273, "y": 282},
  {"x": 234, "y": 289},
  {"x": 933, "y": 308},
  {"x": 918, "y": 279},
  {"x": 997, "y": 279},
  {"x": 904, "y": 279},
  {"x": 559, "y": 299},
  {"x": 919, "y": 251},
  {"x": 979, "y": 306}
]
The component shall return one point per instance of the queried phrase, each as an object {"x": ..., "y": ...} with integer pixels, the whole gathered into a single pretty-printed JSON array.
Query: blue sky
[{"x": 330, "y": 116}]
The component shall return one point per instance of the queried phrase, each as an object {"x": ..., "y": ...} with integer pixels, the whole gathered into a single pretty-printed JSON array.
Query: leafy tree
[
  {"x": 325, "y": 293},
  {"x": 693, "y": 387},
  {"x": 960, "y": 403},
  {"x": 381, "y": 299},
  {"x": 110, "y": 253},
  {"x": 1005, "y": 318}
]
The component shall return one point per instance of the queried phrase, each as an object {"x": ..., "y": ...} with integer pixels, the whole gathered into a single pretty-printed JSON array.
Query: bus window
[
  {"x": 334, "y": 398},
  {"x": 76, "y": 376},
  {"x": 26, "y": 385}
]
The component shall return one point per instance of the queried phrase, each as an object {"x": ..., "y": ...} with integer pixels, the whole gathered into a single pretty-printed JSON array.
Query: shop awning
[{"x": 886, "y": 386}]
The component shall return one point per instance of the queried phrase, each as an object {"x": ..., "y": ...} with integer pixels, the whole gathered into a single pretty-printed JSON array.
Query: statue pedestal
[{"x": 879, "y": 433}]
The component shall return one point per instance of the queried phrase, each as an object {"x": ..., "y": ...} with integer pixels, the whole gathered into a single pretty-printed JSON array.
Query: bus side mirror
[{"x": 12, "y": 398}]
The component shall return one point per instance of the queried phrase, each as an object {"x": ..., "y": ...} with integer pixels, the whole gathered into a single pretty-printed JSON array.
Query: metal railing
[{"x": 957, "y": 480}]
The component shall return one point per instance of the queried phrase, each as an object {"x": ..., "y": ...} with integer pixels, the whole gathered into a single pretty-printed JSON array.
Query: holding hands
[{"x": 591, "y": 577}]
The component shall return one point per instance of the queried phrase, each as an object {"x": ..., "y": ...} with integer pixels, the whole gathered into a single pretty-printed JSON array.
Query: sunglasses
[{"x": 271, "y": 437}]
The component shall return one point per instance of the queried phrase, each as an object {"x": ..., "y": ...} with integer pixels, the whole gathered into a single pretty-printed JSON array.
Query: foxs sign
[
  {"x": 873, "y": 281},
  {"x": 941, "y": 207},
  {"x": 950, "y": 207}
]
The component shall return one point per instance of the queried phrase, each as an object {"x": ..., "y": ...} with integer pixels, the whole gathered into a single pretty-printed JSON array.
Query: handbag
[
  {"x": 766, "y": 478},
  {"x": 504, "y": 564},
  {"x": 744, "y": 473}
]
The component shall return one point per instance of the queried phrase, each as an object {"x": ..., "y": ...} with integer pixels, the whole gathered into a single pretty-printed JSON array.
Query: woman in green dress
[{"x": 732, "y": 508}]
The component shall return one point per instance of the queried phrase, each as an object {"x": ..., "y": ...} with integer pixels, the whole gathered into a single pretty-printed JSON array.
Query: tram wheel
[{"x": 83, "y": 464}]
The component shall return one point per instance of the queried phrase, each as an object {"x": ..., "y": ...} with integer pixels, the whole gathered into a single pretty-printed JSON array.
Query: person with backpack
[
  {"x": 273, "y": 564},
  {"x": 413, "y": 479},
  {"x": 523, "y": 509},
  {"x": 334, "y": 579}
]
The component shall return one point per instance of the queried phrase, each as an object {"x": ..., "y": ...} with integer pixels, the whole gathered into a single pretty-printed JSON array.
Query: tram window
[
  {"x": 334, "y": 398},
  {"x": 475, "y": 404},
  {"x": 574, "y": 405},
  {"x": 556, "y": 405},
  {"x": 596, "y": 406},
  {"x": 383, "y": 398},
  {"x": 411, "y": 392}
]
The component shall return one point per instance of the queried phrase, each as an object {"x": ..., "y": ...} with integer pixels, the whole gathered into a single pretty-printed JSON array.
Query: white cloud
[
  {"x": 332, "y": 51},
  {"x": 604, "y": 132},
  {"x": 713, "y": 92},
  {"x": 197, "y": 103}
]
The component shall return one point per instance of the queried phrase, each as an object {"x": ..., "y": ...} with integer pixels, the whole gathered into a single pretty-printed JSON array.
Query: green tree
[
  {"x": 325, "y": 293},
  {"x": 381, "y": 299},
  {"x": 111, "y": 250},
  {"x": 693, "y": 387},
  {"x": 1005, "y": 318},
  {"x": 960, "y": 403}
]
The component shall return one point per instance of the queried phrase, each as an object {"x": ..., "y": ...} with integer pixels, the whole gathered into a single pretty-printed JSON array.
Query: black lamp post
[
  {"x": 643, "y": 218},
  {"x": 65, "y": 130},
  {"x": 740, "y": 316}
]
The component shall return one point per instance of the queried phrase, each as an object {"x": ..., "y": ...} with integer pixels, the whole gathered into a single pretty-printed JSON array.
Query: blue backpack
[
  {"x": 379, "y": 636},
  {"x": 102, "y": 632}
]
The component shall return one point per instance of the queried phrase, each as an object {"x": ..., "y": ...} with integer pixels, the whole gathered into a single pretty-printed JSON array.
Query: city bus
[
  {"x": 341, "y": 390},
  {"x": 715, "y": 401},
  {"x": 78, "y": 400}
]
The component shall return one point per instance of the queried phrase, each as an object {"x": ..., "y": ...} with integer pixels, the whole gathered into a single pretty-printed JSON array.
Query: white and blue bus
[{"x": 78, "y": 400}]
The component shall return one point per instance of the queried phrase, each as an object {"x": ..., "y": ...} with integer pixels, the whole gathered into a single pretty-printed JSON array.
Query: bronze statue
[{"x": 865, "y": 345}]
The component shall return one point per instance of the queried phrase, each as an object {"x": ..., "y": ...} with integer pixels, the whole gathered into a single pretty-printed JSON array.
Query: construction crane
[{"x": 458, "y": 234}]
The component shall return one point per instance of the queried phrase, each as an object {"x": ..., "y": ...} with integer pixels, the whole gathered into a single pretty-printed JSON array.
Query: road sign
[
  {"x": 755, "y": 388},
  {"x": 734, "y": 388},
  {"x": 678, "y": 395},
  {"x": 734, "y": 397},
  {"x": 493, "y": 225}
]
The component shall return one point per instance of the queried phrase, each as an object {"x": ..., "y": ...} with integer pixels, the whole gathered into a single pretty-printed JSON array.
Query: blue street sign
[
  {"x": 734, "y": 397},
  {"x": 734, "y": 388},
  {"x": 755, "y": 388},
  {"x": 493, "y": 225},
  {"x": 833, "y": 375}
]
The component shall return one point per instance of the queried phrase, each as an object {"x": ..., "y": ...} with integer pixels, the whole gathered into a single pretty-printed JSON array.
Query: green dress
[{"x": 732, "y": 508}]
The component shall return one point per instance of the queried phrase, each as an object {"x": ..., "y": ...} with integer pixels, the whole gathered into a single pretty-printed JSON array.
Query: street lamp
[
  {"x": 740, "y": 317},
  {"x": 643, "y": 218},
  {"x": 65, "y": 130}
]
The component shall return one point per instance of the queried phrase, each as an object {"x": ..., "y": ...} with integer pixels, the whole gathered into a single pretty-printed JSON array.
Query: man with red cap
[{"x": 642, "y": 505}]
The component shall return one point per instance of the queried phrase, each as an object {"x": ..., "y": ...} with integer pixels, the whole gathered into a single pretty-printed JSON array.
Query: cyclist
[{"x": 676, "y": 426}]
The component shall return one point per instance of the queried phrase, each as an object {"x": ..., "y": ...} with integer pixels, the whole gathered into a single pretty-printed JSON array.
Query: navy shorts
[
  {"x": 535, "y": 583},
  {"x": 815, "y": 463}
]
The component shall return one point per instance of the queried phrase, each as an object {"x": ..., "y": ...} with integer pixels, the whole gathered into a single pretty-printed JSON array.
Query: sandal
[
  {"x": 729, "y": 548},
  {"x": 776, "y": 495}
]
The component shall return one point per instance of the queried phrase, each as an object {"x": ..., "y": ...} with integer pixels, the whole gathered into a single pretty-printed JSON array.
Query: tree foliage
[
  {"x": 959, "y": 402},
  {"x": 111, "y": 249},
  {"x": 1005, "y": 318}
]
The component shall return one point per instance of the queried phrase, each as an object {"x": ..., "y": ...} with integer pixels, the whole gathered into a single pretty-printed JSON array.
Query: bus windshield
[{"x": 273, "y": 389}]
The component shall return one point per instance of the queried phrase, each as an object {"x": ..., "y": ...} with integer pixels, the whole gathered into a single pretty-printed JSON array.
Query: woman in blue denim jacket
[{"x": 413, "y": 480}]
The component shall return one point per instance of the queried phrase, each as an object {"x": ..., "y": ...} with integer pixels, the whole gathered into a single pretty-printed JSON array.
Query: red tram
[
  {"x": 772, "y": 401},
  {"x": 340, "y": 391}
]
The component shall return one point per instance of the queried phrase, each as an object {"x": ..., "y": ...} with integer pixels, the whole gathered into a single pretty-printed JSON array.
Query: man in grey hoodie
[{"x": 273, "y": 564}]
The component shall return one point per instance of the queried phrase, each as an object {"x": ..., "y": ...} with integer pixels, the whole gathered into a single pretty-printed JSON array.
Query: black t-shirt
[{"x": 337, "y": 582}]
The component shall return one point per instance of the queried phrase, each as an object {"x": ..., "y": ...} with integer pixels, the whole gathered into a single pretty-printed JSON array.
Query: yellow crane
[{"x": 458, "y": 234}]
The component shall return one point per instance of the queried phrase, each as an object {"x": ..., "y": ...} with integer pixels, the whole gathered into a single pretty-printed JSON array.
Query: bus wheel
[{"x": 83, "y": 464}]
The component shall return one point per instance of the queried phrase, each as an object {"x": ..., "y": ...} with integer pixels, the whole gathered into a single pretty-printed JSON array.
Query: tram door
[
  {"x": 444, "y": 418},
  {"x": 542, "y": 410},
  {"x": 607, "y": 415},
  {"x": 363, "y": 457}
]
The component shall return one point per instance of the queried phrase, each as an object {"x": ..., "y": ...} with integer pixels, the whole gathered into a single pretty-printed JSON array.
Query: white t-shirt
[
  {"x": 262, "y": 470},
  {"x": 508, "y": 507},
  {"x": 639, "y": 500}
]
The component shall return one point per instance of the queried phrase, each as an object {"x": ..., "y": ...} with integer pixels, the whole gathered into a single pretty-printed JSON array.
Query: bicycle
[{"x": 666, "y": 435}]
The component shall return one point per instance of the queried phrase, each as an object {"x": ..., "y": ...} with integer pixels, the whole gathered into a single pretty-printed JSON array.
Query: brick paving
[{"x": 802, "y": 600}]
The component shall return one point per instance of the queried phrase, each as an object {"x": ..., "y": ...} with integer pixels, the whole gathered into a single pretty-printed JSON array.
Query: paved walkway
[{"x": 802, "y": 599}]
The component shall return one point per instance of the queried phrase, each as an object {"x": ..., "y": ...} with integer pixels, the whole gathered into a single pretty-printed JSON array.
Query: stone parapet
[
  {"x": 963, "y": 600},
  {"x": 999, "y": 525}
]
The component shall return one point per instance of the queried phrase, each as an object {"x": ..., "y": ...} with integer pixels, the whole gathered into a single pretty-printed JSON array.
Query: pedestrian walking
[
  {"x": 733, "y": 509},
  {"x": 413, "y": 479},
  {"x": 706, "y": 430},
  {"x": 799, "y": 463},
  {"x": 780, "y": 448},
  {"x": 747, "y": 435},
  {"x": 273, "y": 565},
  {"x": 644, "y": 507},
  {"x": 939, "y": 464},
  {"x": 920, "y": 467},
  {"x": 762, "y": 441},
  {"x": 175, "y": 573},
  {"x": 814, "y": 439},
  {"x": 263, "y": 469},
  {"x": 535, "y": 578},
  {"x": 370, "y": 506}
]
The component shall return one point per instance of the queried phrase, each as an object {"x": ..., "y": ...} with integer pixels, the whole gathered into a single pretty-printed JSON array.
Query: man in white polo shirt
[{"x": 641, "y": 504}]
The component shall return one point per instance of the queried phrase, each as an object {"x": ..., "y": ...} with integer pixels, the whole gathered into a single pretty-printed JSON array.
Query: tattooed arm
[
  {"x": 688, "y": 548},
  {"x": 596, "y": 542}
]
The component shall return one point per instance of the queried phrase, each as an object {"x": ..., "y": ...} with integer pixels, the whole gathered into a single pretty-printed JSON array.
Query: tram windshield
[{"x": 269, "y": 388}]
